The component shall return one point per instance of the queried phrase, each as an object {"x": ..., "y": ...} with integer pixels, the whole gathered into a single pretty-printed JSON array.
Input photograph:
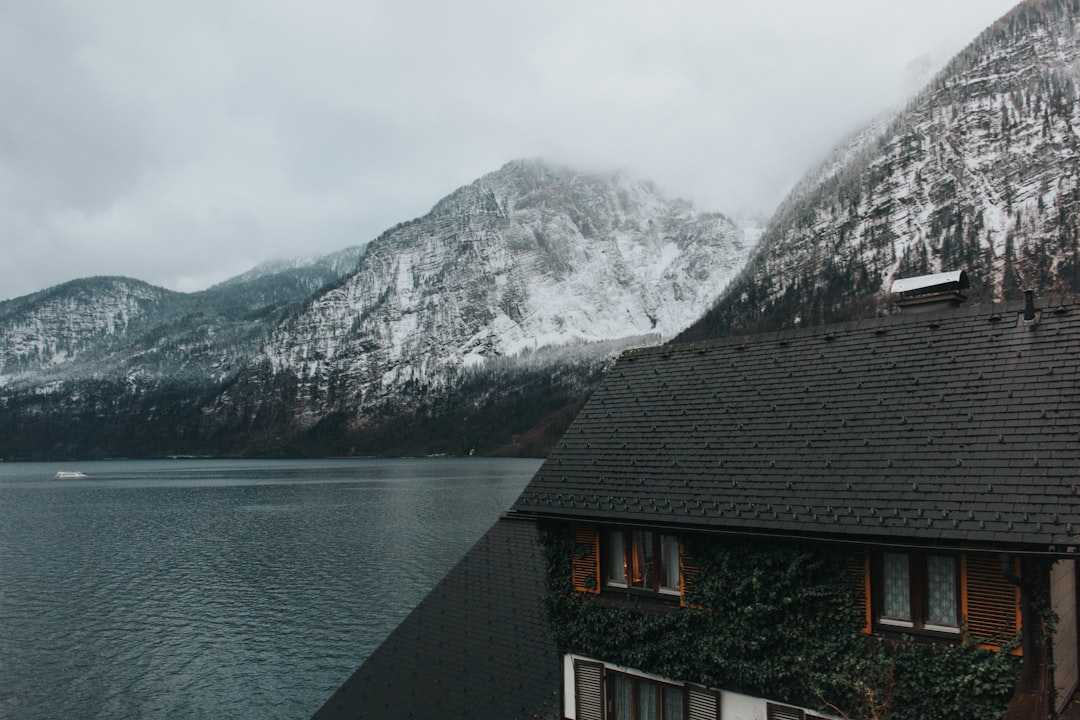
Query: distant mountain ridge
[
  {"x": 531, "y": 277},
  {"x": 309, "y": 273},
  {"x": 981, "y": 171},
  {"x": 102, "y": 326},
  {"x": 70, "y": 319}
]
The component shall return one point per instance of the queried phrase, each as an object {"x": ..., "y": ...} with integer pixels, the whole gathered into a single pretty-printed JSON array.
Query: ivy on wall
[{"x": 782, "y": 623}]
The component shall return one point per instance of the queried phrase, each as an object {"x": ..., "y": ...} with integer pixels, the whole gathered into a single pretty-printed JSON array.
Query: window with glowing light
[{"x": 641, "y": 560}]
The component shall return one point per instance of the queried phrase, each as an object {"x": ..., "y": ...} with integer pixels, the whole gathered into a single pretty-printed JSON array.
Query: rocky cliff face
[
  {"x": 72, "y": 323},
  {"x": 510, "y": 295},
  {"x": 981, "y": 172},
  {"x": 528, "y": 257}
]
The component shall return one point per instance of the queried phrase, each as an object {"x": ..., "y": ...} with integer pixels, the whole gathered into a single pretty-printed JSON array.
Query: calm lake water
[{"x": 221, "y": 589}]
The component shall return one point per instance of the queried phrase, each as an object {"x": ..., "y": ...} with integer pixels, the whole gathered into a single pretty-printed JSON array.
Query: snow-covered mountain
[
  {"x": 66, "y": 324},
  {"x": 533, "y": 271},
  {"x": 530, "y": 256},
  {"x": 981, "y": 171},
  {"x": 277, "y": 281},
  {"x": 116, "y": 327}
]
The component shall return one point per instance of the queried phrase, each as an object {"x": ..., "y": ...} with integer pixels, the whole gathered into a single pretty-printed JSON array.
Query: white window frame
[{"x": 729, "y": 704}]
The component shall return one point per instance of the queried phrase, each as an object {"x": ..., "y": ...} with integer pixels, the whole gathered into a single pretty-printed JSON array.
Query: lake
[{"x": 221, "y": 589}]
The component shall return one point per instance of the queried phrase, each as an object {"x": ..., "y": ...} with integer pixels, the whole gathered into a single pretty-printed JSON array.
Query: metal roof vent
[{"x": 931, "y": 292}]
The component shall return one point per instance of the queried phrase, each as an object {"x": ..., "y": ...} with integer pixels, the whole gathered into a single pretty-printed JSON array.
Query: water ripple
[{"x": 235, "y": 589}]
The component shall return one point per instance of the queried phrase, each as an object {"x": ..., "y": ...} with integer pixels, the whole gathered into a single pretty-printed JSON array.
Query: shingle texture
[
  {"x": 476, "y": 647},
  {"x": 960, "y": 427}
]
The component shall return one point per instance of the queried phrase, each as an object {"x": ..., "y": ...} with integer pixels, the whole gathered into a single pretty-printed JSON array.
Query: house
[{"x": 867, "y": 520}]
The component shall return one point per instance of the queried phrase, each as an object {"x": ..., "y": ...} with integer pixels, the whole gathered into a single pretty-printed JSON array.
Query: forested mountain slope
[{"x": 980, "y": 172}]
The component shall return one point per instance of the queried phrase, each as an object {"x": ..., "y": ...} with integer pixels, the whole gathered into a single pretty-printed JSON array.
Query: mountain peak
[
  {"x": 981, "y": 171},
  {"x": 530, "y": 256}
]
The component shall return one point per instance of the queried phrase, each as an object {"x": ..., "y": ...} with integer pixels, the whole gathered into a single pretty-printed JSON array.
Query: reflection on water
[{"x": 199, "y": 589}]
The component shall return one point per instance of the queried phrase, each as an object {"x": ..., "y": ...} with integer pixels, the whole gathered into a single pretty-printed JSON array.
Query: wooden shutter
[
  {"x": 589, "y": 690},
  {"x": 857, "y": 571},
  {"x": 688, "y": 574},
  {"x": 586, "y": 561},
  {"x": 990, "y": 603},
  {"x": 702, "y": 704}
]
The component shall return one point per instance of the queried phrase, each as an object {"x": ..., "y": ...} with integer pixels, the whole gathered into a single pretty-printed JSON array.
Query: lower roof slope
[
  {"x": 477, "y": 646},
  {"x": 958, "y": 428}
]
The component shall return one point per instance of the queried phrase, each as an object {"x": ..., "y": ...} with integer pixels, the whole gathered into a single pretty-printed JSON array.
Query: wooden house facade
[{"x": 929, "y": 461}]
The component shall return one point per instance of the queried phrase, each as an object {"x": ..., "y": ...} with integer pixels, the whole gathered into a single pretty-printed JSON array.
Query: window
[
  {"x": 918, "y": 590},
  {"x": 596, "y": 690},
  {"x": 636, "y": 698},
  {"x": 642, "y": 560}
]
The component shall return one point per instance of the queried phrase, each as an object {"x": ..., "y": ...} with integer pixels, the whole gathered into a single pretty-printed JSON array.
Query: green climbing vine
[{"x": 782, "y": 623}]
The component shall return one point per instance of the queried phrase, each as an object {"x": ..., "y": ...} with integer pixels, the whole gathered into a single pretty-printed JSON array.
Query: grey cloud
[{"x": 181, "y": 142}]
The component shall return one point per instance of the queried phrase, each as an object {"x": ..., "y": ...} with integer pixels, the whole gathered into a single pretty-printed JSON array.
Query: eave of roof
[{"x": 957, "y": 428}]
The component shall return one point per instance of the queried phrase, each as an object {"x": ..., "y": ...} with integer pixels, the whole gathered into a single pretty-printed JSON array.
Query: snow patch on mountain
[
  {"x": 527, "y": 257},
  {"x": 54, "y": 327}
]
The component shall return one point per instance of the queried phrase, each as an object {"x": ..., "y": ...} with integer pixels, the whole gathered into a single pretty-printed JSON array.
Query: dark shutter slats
[
  {"x": 991, "y": 604},
  {"x": 586, "y": 562},
  {"x": 783, "y": 712},
  {"x": 702, "y": 704},
  {"x": 589, "y": 690},
  {"x": 688, "y": 573},
  {"x": 857, "y": 571}
]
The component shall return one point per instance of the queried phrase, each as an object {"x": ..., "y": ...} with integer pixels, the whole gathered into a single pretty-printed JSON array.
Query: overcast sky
[{"x": 182, "y": 142}]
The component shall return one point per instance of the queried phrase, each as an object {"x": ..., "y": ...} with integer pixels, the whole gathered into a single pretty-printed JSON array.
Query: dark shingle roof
[
  {"x": 476, "y": 647},
  {"x": 960, "y": 427}
]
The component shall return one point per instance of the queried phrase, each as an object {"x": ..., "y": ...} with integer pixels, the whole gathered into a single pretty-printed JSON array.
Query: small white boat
[{"x": 70, "y": 475}]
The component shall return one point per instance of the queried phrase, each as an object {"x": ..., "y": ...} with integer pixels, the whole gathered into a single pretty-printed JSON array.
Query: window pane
[
  {"x": 623, "y": 698},
  {"x": 669, "y": 562},
  {"x": 941, "y": 590},
  {"x": 647, "y": 705},
  {"x": 673, "y": 703},
  {"x": 642, "y": 563},
  {"x": 616, "y": 561},
  {"x": 895, "y": 586}
]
